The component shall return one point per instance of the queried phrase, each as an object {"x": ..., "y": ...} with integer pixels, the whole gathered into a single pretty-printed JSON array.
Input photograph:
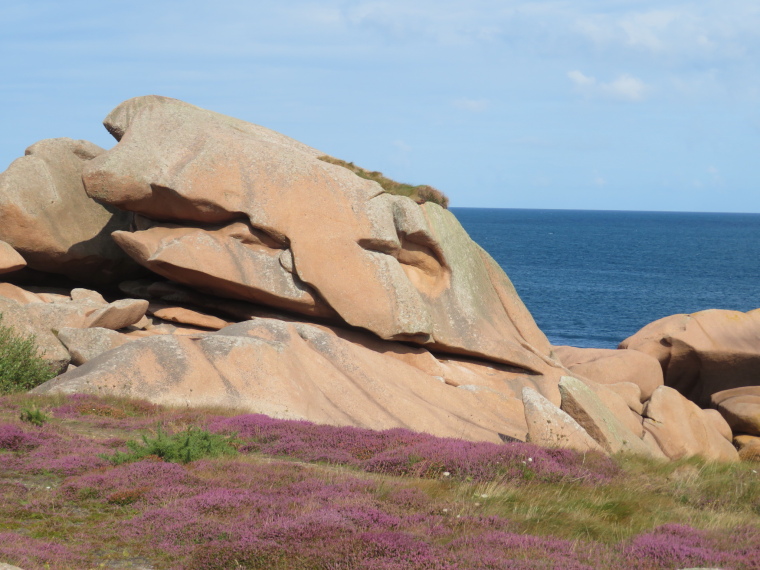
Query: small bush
[
  {"x": 34, "y": 416},
  {"x": 21, "y": 366},
  {"x": 182, "y": 447}
]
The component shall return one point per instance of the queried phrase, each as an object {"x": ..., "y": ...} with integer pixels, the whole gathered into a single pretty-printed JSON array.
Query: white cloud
[
  {"x": 625, "y": 87},
  {"x": 474, "y": 105},
  {"x": 580, "y": 79}
]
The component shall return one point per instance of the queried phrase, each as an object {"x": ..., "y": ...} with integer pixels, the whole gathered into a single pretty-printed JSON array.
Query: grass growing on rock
[
  {"x": 298, "y": 495},
  {"x": 420, "y": 194}
]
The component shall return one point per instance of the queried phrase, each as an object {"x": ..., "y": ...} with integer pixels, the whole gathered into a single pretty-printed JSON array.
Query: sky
[{"x": 608, "y": 105}]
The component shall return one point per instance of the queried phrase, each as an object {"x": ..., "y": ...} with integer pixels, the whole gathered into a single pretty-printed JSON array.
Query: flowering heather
[
  {"x": 405, "y": 453},
  {"x": 301, "y": 496}
]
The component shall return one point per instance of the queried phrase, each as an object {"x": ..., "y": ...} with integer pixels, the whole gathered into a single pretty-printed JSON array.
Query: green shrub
[
  {"x": 21, "y": 365},
  {"x": 182, "y": 447},
  {"x": 34, "y": 416},
  {"x": 419, "y": 194}
]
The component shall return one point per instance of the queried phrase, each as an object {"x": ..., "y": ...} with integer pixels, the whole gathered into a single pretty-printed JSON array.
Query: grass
[
  {"x": 419, "y": 194},
  {"x": 287, "y": 494},
  {"x": 21, "y": 366}
]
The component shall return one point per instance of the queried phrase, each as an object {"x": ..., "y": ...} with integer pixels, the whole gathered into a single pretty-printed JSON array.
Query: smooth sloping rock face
[
  {"x": 585, "y": 407},
  {"x": 86, "y": 344},
  {"x": 10, "y": 260},
  {"x": 741, "y": 408},
  {"x": 609, "y": 366},
  {"x": 323, "y": 241},
  {"x": 297, "y": 371},
  {"x": 704, "y": 352},
  {"x": 551, "y": 427},
  {"x": 682, "y": 429},
  {"x": 48, "y": 218}
]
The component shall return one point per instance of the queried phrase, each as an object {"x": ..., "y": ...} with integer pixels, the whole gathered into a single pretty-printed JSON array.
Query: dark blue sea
[{"x": 593, "y": 278}]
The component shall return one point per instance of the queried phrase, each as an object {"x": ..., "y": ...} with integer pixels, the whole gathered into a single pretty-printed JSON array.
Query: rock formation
[{"x": 253, "y": 275}]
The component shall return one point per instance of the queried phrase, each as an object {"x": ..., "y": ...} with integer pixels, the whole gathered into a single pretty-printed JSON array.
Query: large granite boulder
[
  {"x": 683, "y": 429},
  {"x": 240, "y": 211},
  {"x": 609, "y": 366},
  {"x": 305, "y": 371},
  {"x": 705, "y": 352},
  {"x": 50, "y": 221}
]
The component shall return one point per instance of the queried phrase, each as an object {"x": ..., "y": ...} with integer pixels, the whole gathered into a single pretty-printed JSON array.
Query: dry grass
[{"x": 419, "y": 194}]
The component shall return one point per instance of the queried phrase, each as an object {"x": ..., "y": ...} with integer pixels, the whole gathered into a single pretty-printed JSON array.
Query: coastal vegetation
[
  {"x": 21, "y": 365},
  {"x": 420, "y": 194},
  {"x": 257, "y": 492}
]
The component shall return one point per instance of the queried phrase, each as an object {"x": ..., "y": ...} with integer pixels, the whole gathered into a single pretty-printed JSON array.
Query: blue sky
[{"x": 632, "y": 105}]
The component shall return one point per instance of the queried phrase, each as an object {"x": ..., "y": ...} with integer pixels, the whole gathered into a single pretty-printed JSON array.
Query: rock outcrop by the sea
[
  {"x": 705, "y": 352},
  {"x": 242, "y": 212},
  {"x": 277, "y": 283}
]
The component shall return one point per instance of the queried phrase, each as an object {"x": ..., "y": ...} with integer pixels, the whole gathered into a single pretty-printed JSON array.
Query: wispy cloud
[{"x": 624, "y": 87}]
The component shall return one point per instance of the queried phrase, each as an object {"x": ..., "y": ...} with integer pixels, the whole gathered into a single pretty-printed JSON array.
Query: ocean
[{"x": 593, "y": 278}]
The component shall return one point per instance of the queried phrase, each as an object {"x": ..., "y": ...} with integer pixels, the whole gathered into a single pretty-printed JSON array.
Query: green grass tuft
[
  {"x": 34, "y": 416},
  {"x": 183, "y": 447},
  {"x": 21, "y": 365},
  {"x": 420, "y": 194}
]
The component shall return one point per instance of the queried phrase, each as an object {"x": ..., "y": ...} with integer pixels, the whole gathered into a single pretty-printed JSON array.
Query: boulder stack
[{"x": 237, "y": 269}]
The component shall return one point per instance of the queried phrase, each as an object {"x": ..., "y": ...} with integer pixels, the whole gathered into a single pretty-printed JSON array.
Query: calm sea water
[{"x": 593, "y": 278}]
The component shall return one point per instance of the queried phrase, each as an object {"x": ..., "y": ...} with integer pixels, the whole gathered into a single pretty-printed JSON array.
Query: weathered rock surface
[
  {"x": 682, "y": 429},
  {"x": 705, "y": 352},
  {"x": 741, "y": 408},
  {"x": 585, "y": 407},
  {"x": 48, "y": 218},
  {"x": 299, "y": 371},
  {"x": 10, "y": 260},
  {"x": 86, "y": 344},
  {"x": 748, "y": 446},
  {"x": 549, "y": 426},
  {"x": 609, "y": 366},
  {"x": 237, "y": 191}
]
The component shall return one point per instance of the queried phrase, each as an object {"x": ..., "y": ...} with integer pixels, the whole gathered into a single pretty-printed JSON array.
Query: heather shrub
[
  {"x": 406, "y": 453},
  {"x": 33, "y": 553},
  {"x": 13, "y": 438},
  {"x": 21, "y": 366},
  {"x": 183, "y": 447}
]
